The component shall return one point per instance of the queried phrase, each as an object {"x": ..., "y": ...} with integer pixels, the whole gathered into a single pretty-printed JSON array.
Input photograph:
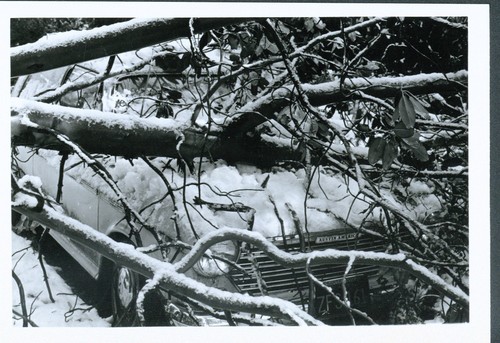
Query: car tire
[
  {"x": 121, "y": 286},
  {"x": 125, "y": 286}
]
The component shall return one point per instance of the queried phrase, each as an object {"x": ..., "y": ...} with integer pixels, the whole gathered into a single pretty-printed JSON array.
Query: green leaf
[
  {"x": 204, "y": 40},
  {"x": 258, "y": 50},
  {"x": 282, "y": 28},
  {"x": 319, "y": 24},
  {"x": 309, "y": 24},
  {"x": 405, "y": 110},
  {"x": 323, "y": 130},
  {"x": 417, "y": 106},
  {"x": 401, "y": 131},
  {"x": 409, "y": 115},
  {"x": 414, "y": 145},
  {"x": 235, "y": 57},
  {"x": 376, "y": 150},
  {"x": 263, "y": 83},
  {"x": 390, "y": 153},
  {"x": 272, "y": 48},
  {"x": 185, "y": 61},
  {"x": 233, "y": 41},
  {"x": 338, "y": 43},
  {"x": 255, "y": 78},
  {"x": 396, "y": 115},
  {"x": 363, "y": 128},
  {"x": 353, "y": 35}
]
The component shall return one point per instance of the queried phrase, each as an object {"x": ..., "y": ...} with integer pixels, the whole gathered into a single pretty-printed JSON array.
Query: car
[{"x": 142, "y": 93}]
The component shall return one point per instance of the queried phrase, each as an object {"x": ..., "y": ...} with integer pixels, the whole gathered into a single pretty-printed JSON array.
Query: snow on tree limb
[
  {"x": 382, "y": 87},
  {"x": 124, "y": 135},
  {"x": 168, "y": 277},
  {"x": 77, "y": 46},
  {"x": 320, "y": 257},
  {"x": 171, "y": 277},
  {"x": 56, "y": 94},
  {"x": 100, "y": 132}
]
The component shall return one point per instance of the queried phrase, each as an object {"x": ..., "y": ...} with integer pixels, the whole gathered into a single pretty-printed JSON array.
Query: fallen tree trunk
[
  {"x": 123, "y": 135},
  {"x": 128, "y": 136},
  {"x": 77, "y": 46}
]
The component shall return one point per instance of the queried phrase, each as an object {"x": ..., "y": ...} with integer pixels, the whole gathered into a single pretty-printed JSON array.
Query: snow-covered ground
[{"x": 67, "y": 310}]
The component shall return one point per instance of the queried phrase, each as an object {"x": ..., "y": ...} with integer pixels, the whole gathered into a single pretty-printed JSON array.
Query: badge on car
[{"x": 335, "y": 238}]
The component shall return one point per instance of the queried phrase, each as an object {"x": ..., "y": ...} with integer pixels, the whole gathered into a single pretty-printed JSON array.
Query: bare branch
[
  {"x": 320, "y": 257},
  {"x": 169, "y": 278},
  {"x": 22, "y": 298}
]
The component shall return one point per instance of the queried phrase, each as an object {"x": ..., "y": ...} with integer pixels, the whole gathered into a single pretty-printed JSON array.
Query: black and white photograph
[{"x": 245, "y": 170}]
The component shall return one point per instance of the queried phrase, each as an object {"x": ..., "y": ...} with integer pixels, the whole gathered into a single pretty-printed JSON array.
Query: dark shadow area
[{"x": 81, "y": 283}]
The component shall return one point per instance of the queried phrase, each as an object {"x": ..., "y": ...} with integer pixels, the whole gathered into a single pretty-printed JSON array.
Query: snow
[
  {"x": 112, "y": 120},
  {"x": 30, "y": 180},
  {"x": 22, "y": 199},
  {"x": 42, "y": 311},
  {"x": 333, "y": 87},
  {"x": 327, "y": 202},
  {"x": 69, "y": 37}
]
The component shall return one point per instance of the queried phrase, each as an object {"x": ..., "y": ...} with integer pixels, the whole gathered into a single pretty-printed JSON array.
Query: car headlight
[{"x": 213, "y": 266}]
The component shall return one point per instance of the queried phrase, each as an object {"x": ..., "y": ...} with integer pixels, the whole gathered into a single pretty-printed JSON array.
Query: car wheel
[
  {"x": 124, "y": 289},
  {"x": 124, "y": 285}
]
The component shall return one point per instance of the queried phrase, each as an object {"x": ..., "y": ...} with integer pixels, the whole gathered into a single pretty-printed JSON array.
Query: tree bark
[
  {"x": 128, "y": 136},
  {"x": 123, "y": 135},
  {"x": 73, "y": 47}
]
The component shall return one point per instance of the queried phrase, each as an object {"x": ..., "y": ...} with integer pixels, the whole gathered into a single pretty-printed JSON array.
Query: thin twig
[
  {"x": 22, "y": 298},
  {"x": 42, "y": 263},
  {"x": 32, "y": 323}
]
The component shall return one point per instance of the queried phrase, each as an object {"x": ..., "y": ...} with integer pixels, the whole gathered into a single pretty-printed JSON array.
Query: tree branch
[
  {"x": 123, "y": 135},
  {"x": 381, "y": 87},
  {"x": 166, "y": 274},
  {"x": 329, "y": 256},
  {"x": 73, "y": 47},
  {"x": 22, "y": 299}
]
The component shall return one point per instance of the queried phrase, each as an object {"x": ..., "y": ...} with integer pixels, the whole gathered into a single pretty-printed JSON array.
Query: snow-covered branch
[
  {"x": 67, "y": 48},
  {"x": 129, "y": 136},
  {"x": 172, "y": 277},
  {"x": 381, "y": 87},
  {"x": 166, "y": 274},
  {"x": 56, "y": 94},
  {"x": 329, "y": 256}
]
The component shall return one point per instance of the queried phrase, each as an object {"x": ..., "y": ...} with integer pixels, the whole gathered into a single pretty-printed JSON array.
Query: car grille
[{"x": 278, "y": 279}]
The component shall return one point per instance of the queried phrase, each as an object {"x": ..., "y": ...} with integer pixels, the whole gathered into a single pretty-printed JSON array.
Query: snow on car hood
[{"x": 330, "y": 204}]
